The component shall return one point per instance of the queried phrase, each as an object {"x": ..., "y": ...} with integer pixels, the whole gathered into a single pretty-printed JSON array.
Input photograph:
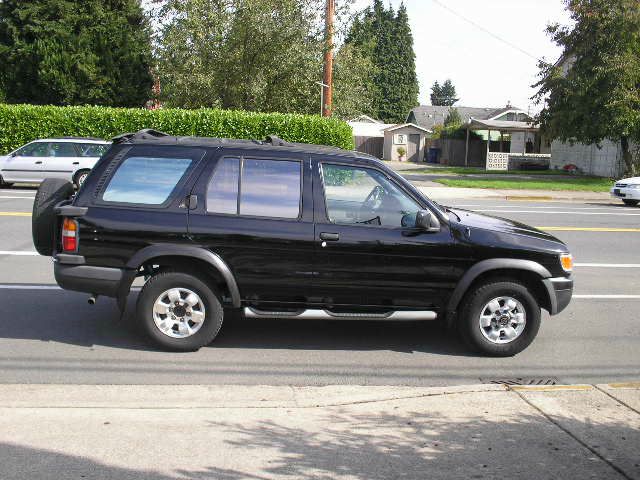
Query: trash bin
[{"x": 433, "y": 155}]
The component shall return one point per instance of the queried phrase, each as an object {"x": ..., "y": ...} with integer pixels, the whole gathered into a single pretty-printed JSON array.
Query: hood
[
  {"x": 498, "y": 224},
  {"x": 629, "y": 181}
]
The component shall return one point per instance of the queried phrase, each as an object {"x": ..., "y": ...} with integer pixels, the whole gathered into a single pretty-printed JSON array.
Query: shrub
[{"x": 20, "y": 124}]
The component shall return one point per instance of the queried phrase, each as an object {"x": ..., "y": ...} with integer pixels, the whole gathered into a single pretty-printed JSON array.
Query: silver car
[{"x": 70, "y": 158}]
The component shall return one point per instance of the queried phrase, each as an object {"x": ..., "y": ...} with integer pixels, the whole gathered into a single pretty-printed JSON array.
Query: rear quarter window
[{"x": 145, "y": 180}]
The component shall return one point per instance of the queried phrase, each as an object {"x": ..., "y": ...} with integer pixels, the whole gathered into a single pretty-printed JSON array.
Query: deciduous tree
[{"x": 593, "y": 93}]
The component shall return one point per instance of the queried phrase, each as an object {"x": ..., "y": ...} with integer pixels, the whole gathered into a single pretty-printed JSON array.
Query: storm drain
[{"x": 522, "y": 381}]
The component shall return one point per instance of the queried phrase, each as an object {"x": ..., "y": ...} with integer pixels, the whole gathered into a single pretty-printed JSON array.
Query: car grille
[{"x": 621, "y": 185}]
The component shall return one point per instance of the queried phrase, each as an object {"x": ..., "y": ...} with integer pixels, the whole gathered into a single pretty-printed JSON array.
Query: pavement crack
[
  {"x": 617, "y": 400},
  {"x": 568, "y": 432}
]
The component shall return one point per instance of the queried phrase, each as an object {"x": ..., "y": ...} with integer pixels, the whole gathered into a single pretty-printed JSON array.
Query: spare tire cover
[{"x": 51, "y": 192}]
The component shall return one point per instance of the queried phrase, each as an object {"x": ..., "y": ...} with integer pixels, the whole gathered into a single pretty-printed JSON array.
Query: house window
[{"x": 400, "y": 139}]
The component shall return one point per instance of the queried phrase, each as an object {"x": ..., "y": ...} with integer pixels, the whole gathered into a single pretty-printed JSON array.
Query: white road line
[
  {"x": 20, "y": 253},
  {"x": 29, "y": 287},
  {"x": 563, "y": 212},
  {"x": 608, "y": 265},
  {"x": 55, "y": 287},
  {"x": 608, "y": 297},
  {"x": 30, "y": 198}
]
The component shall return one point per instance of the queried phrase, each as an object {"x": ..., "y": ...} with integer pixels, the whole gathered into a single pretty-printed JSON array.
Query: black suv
[{"x": 282, "y": 230}]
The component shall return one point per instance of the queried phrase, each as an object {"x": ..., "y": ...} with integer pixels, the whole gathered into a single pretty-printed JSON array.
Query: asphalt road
[{"x": 52, "y": 336}]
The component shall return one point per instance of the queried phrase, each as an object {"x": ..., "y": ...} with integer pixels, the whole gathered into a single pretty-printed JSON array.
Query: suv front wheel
[
  {"x": 499, "y": 318},
  {"x": 179, "y": 312}
]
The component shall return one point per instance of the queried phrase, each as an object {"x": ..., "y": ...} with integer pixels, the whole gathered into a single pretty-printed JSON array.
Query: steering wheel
[{"x": 374, "y": 195}]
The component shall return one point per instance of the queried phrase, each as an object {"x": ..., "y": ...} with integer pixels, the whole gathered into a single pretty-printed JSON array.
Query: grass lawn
[
  {"x": 480, "y": 171},
  {"x": 587, "y": 184}
]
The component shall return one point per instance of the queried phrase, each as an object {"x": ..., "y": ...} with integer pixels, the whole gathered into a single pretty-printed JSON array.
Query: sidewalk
[
  {"x": 335, "y": 432},
  {"x": 442, "y": 193}
]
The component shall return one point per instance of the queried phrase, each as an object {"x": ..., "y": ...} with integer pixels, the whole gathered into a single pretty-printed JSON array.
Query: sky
[{"x": 485, "y": 71}]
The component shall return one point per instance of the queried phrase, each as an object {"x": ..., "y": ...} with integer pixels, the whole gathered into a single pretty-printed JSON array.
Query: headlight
[
  {"x": 636, "y": 187},
  {"x": 566, "y": 260}
]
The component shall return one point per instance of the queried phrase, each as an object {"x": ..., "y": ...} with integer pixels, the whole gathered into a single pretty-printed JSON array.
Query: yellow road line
[
  {"x": 588, "y": 229},
  {"x": 549, "y": 388},
  {"x": 15, "y": 214},
  {"x": 625, "y": 385}
]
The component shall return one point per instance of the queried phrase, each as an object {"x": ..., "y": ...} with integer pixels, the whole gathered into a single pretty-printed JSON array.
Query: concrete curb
[{"x": 240, "y": 396}]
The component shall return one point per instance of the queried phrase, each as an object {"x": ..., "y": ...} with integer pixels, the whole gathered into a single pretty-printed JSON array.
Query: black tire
[
  {"x": 631, "y": 203},
  {"x": 167, "y": 280},
  {"x": 469, "y": 318},
  {"x": 80, "y": 177},
  {"x": 4, "y": 184},
  {"x": 43, "y": 221}
]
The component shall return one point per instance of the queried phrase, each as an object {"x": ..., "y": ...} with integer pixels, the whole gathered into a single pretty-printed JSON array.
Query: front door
[
  {"x": 26, "y": 164},
  {"x": 257, "y": 214},
  {"x": 370, "y": 252},
  {"x": 413, "y": 148}
]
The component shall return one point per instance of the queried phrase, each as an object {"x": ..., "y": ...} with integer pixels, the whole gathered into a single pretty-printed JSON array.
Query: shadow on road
[{"x": 65, "y": 317}]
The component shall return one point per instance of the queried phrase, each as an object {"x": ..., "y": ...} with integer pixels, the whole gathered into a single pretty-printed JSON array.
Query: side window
[
  {"x": 91, "y": 149},
  {"x": 39, "y": 149},
  {"x": 222, "y": 192},
  {"x": 145, "y": 180},
  {"x": 62, "y": 149},
  {"x": 267, "y": 188},
  {"x": 270, "y": 188},
  {"x": 357, "y": 195}
]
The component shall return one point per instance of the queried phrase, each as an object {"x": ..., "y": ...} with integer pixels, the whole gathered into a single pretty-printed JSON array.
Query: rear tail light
[{"x": 69, "y": 235}]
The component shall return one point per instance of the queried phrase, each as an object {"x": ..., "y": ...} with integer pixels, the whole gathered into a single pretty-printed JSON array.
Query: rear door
[
  {"x": 26, "y": 164},
  {"x": 255, "y": 210},
  {"x": 61, "y": 161}
]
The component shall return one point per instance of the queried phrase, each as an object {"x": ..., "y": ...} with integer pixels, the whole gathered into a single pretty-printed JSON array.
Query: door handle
[
  {"x": 330, "y": 237},
  {"x": 76, "y": 163},
  {"x": 39, "y": 162}
]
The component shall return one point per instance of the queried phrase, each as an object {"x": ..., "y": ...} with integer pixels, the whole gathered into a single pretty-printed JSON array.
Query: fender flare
[
  {"x": 213, "y": 259},
  {"x": 492, "y": 264}
]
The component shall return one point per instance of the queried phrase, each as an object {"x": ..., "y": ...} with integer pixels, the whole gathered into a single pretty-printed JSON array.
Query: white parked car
[
  {"x": 70, "y": 158},
  {"x": 627, "y": 190}
]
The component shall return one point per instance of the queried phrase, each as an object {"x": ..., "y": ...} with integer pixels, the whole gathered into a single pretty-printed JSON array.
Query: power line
[{"x": 480, "y": 27}]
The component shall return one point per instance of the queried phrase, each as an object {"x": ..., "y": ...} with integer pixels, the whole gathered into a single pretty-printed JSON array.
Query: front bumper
[
  {"x": 625, "y": 193},
  {"x": 560, "y": 290}
]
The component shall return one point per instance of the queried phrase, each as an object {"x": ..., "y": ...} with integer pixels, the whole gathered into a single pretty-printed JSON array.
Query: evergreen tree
[
  {"x": 385, "y": 37},
  {"x": 444, "y": 95},
  {"x": 69, "y": 52},
  {"x": 453, "y": 118}
]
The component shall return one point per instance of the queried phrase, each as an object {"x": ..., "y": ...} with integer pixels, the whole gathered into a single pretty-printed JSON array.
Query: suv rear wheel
[
  {"x": 499, "y": 318},
  {"x": 179, "y": 312}
]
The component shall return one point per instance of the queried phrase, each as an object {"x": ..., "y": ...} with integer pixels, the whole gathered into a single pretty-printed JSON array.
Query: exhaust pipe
[{"x": 92, "y": 299}]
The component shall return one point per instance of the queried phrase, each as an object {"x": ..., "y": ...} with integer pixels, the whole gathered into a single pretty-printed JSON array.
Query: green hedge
[{"x": 20, "y": 124}]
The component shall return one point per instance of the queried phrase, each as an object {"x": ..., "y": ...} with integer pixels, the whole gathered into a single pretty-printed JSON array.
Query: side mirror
[{"x": 427, "y": 221}]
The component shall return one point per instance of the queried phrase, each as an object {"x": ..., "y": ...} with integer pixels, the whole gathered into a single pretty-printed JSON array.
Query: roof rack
[{"x": 149, "y": 135}]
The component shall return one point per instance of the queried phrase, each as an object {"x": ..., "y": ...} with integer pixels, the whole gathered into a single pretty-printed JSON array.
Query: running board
[{"x": 398, "y": 315}]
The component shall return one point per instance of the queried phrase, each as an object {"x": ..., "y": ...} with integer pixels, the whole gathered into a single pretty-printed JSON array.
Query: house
[
  {"x": 604, "y": 160},
  {"x": 507, "y": 130},
  {"x": 383, "y": 140}
]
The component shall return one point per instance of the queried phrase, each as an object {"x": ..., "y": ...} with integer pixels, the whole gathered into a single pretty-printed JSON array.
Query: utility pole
[{"x": 327, "y": 88}]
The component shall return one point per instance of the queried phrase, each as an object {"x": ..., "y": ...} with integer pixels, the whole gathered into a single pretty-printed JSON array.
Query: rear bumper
[
  {"x": 560, "y": 290},
  {"x": 72, "y": 274}
]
